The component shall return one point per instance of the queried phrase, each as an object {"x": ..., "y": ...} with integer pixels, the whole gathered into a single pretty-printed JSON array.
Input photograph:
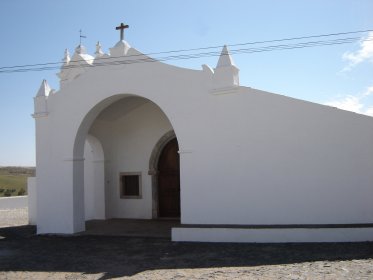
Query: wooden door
[{"x": 169, "y": 181}]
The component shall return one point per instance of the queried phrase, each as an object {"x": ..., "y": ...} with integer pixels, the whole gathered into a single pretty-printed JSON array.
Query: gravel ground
[{"x": 23, "y": 255}]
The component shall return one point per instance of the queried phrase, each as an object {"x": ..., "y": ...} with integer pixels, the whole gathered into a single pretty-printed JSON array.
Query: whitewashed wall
[
  {"x": 247, "y": 156},
  {"x": 13, "y": 202},
  {"x": 262, "y": 158},
  {"x": 32, "y": 200}
]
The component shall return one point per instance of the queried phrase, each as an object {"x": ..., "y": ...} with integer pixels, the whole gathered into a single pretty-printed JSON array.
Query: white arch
[
  {"x": 79, "y": 215},
  {"x": 61, "y": 134},
  {"x": 78, "y": 210}
]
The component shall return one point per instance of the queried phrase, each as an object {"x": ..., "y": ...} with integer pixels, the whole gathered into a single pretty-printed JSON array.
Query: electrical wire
[
  {"x": 115, "y": 61},
  {"x": 131, "y": 59}
]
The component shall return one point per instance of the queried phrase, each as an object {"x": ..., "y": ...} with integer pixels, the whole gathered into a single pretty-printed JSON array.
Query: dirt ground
[{"x": 24, "y": 255}]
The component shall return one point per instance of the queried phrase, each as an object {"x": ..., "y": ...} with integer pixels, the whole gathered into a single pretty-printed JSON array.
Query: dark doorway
[{"x": 169, "y": 181}]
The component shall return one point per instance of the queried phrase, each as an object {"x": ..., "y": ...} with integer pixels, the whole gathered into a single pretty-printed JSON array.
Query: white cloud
[
  {"x": 365, "y": 53},
  {"x": 349, "y": 103},
  {"x": 369, "y": 111},
  {"x": 369, "y": 91},
  {"x": 360, "y": 103},
  {"x": 354, "y": 103}
]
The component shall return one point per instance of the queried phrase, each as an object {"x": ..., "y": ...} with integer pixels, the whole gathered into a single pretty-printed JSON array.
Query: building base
[{"x": 273, "y": 234}]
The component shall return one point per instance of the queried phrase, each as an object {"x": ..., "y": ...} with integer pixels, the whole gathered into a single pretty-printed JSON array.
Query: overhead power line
[
  {"x": 205, "y": 48},
  {"x": 131, "y": 59},
  {"x": 125, "y": 60}
]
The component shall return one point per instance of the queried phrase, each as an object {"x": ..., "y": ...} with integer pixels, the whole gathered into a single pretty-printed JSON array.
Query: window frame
[{"x": 122, "y": 185}]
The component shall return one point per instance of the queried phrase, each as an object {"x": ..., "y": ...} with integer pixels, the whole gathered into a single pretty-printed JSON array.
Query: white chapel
[{"x": 128, "y": 136}]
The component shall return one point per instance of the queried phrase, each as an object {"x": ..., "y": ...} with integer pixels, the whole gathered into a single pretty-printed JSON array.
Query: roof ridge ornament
[
  {"x": 80, "y": 49},
  {"x": 226, "y": 75},
  {"x": 80, "y": 37},
  {"x": 44, "y": 89},
  {"x": 99, "y": 51},
  {"x": 225, "y": 58},
  {"x": 121, "y": 27},
  {"x": 121, "y": 48},
  {"x": 66, "y": 59}
]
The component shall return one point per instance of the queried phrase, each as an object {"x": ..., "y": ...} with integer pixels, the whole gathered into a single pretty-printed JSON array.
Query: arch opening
[{"x": 123, "y": 132}]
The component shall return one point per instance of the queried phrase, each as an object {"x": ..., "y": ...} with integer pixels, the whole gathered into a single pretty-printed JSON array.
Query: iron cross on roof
[
  {"x": 121, "y": 27},
  {"x": 80, "y": 37}
]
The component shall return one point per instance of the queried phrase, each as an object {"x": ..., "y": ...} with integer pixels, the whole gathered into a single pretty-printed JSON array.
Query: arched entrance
[
  {"x": 169, "y": 181},
  {"x": 128, "y": 129}
]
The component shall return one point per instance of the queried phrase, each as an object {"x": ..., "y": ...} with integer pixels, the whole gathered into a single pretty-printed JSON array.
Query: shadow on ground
[{"x": 22, "y": 250}]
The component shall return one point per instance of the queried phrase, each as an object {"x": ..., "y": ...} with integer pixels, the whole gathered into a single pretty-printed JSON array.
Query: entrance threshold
[{"x": 159, "y": 228}]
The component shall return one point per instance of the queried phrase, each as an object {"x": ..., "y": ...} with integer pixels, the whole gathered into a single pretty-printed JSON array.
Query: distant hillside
[
  {"x": 17, "y": 170},
  {"x": 13, "y": 180}
]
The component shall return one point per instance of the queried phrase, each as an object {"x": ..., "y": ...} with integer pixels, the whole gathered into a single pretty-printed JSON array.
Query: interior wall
[{"x": 128, "y": 131}]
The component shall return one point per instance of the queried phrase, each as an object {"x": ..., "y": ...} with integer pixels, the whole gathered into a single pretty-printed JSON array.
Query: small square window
[{"x": 130, "y": 185}]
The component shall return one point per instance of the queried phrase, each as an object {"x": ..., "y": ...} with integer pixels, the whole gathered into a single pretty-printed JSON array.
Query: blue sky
[{"x": 39, "y": 31}]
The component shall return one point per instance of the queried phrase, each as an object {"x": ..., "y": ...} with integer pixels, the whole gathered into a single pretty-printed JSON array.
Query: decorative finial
[
  {"x": 44, "y": 89},
  {"x": 225, "y": 58},
  {"x": 80, "y": 50},
  {"x": 121, "y": 27},
  {"x": 66, "y": 58},
  {"x": 99, "y": 51}
]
